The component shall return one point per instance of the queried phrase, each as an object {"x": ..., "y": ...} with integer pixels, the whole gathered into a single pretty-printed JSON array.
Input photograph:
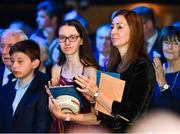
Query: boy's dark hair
[{"x": 28, "y": 47}]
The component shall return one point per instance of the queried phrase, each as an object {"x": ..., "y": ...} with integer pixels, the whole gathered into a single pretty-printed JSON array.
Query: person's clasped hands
[
  {"x": 87, "y": 86},
  {"x": 160, "y": 71}
]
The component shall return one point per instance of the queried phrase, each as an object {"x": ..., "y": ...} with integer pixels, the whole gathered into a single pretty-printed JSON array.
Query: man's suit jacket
[
  {"x": 1, "y": 62},
  {"x": 32, "y": 113},
  {"x": 2, "y": 68},
  {"x": 157, "y": 48},
  {"x": 96, "y": 56}
]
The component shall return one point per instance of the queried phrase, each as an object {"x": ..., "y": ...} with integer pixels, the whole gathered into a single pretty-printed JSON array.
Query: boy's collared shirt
[{"x": 20, "y": 91}]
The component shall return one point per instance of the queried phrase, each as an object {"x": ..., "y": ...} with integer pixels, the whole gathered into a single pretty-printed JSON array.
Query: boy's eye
[{"x": 20, "y": 61}]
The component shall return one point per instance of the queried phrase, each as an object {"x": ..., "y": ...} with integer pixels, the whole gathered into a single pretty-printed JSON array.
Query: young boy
[{"x": 24, "y": 102}]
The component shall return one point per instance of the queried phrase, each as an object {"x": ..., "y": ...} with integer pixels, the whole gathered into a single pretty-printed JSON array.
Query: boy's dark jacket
[{"x": 32, "y": 113}]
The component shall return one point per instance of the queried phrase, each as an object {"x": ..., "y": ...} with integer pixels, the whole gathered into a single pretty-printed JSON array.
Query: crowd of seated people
[{"x": 60, "y": 52}]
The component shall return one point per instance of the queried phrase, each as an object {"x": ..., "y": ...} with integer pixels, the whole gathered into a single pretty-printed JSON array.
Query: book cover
[
  {"x": 111, "y": 85},
  {"x": 98, "y": 75},
  {"x": 66, "y": 90}
]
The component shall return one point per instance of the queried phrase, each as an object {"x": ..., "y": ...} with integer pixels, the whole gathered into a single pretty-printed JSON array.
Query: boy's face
[{"x": 22, "y": 66}]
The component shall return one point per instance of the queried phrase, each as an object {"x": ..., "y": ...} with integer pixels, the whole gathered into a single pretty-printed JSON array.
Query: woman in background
[
  {"x": 44, "y": 66},
  {"x": 167, "y": 91}
]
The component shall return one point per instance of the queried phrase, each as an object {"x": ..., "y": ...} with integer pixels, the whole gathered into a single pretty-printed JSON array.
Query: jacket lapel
[
  {"x": 8, "y": 94},
  {"x": 1, "y": 74},
  {"x": 25, "y": 98}
]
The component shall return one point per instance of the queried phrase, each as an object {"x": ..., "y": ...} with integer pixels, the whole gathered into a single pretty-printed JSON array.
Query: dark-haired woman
[
  {"x": 167, "y": 90},
  {"x": 76, "y": 59},
  {"x": 128, "y": 57}
]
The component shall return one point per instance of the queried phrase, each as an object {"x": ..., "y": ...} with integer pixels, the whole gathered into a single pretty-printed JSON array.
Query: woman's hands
[
  {"x": 55, "y": 109},
  {"x": 160, "y": 71},
  {"x": 88, "y": 86},
  {"x": 53, "y": 105},
  {"x": 53, "y": 82}
]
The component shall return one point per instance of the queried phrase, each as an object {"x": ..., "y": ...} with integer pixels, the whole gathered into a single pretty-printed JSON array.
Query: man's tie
[{"x": 10, "y": 77}]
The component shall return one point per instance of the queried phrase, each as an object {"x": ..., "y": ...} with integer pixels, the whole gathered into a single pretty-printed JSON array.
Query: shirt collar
[
  {"x": 103, "y": 60},
  {"x": 153, "y": 38},
  {"x": 25, "y": 86}
]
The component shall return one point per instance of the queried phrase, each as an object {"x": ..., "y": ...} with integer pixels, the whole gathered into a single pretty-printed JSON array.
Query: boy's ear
[{"x": 35, "y": 63}]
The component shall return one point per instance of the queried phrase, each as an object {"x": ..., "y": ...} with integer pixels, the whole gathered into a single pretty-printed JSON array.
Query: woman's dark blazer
[{"x": 139, "y": 88}]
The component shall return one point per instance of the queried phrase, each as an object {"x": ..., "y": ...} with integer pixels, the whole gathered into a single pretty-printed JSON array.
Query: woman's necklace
[{"x": 175, "y": 79}]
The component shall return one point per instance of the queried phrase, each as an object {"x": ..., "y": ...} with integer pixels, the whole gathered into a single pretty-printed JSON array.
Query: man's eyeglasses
[
  {"x": 1, "y": 46},
  {"x": 71, "y": 38}
]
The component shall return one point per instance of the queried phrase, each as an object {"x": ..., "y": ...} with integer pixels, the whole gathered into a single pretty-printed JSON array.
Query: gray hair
[{"x": 17, "y": 33}]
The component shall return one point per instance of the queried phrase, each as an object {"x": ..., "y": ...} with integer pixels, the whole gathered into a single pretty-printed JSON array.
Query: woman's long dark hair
[
  {"x": 136, "y": 42},
  {"x": 85, "y": 52}
]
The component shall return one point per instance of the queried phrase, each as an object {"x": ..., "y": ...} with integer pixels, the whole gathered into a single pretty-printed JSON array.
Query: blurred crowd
[{"x": 61, "y": 52}]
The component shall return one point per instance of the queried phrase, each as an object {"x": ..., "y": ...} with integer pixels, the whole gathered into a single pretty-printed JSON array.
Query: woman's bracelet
[
  {"x": 96, "y": 94},
  {"x": 164, "y": 87}
]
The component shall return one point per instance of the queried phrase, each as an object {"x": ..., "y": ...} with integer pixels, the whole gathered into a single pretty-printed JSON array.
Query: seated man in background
[
  {"x": 103, "y": 43},
  {"x": 8, "y": 38},
  {"x": 151, "y": 31}
]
